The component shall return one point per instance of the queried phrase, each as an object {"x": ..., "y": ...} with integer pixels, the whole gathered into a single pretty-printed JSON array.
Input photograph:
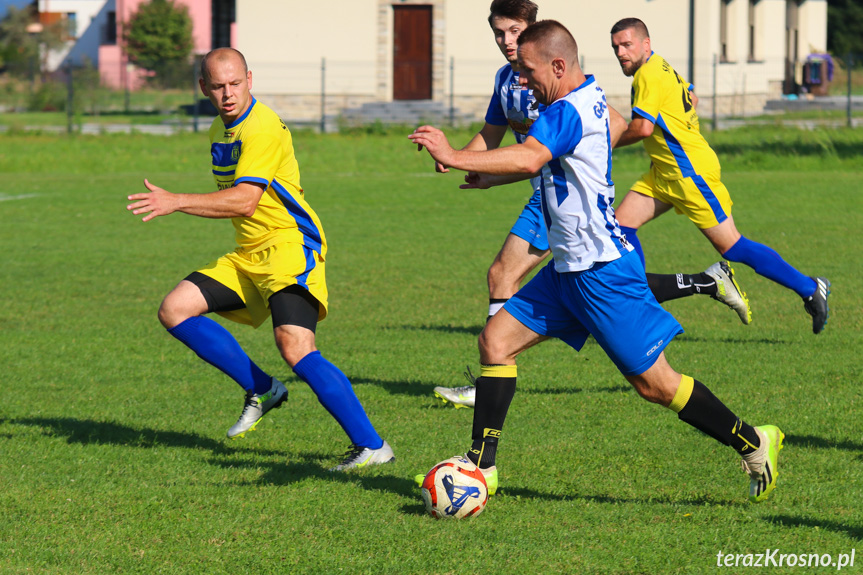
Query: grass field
[{"x": 113, "y": 457}]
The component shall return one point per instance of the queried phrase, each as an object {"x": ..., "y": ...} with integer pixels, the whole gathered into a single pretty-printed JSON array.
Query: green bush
[{"x": 47, "y": 97}]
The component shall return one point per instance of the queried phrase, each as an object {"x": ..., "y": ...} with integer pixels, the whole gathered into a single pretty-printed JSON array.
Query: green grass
[{"x": 112, "y": 433}]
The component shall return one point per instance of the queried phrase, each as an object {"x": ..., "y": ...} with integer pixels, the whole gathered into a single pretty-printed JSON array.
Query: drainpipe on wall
[{"x": 691, "y": 71}]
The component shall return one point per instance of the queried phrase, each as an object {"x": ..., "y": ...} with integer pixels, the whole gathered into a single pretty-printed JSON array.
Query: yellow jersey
[
  {"x": 676, "y": 147},
  {"x": 258, "y": 148}
]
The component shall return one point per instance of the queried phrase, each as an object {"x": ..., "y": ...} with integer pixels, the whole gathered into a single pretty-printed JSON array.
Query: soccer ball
[{"x": 454, "y": 489}]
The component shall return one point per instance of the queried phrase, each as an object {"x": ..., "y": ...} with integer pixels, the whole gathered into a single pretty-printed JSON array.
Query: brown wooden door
[{"x": 412, "y": 53}]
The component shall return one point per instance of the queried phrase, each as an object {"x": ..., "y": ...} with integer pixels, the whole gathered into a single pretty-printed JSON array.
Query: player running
[
  {"x": 684, "y": 170},
  {"x": 514, "y": 107},
  {"x": 595, "y": 283},
  {"x": 277, "y": 269}
]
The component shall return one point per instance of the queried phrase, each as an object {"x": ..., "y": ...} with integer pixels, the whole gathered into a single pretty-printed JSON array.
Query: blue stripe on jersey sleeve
[
  {"x": 680, "y": 156},
  {"x": 305, "y": 223},
  {"x": 253, "y": 180},
  {"x": 643, "y": 114},
  {"x": 558, "y": 128},
  {"x": 224, "y": 173}
]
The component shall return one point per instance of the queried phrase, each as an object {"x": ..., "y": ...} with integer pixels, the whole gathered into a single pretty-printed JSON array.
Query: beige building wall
[
  {"x": 285, "y": 43},
  {"x": 813, "y": 28}
]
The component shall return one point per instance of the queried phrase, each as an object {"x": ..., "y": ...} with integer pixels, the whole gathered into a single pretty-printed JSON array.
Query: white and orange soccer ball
[{"x": 454, "y": 489}]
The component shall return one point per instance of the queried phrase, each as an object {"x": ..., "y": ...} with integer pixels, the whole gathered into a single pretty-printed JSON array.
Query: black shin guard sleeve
[
  {"x": 706, "y": 413},
  {"x": 493, "y": 397}
]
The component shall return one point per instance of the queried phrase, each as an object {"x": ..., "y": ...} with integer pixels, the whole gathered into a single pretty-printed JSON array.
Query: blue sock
[
  {"x": 632, "y": 237},
  {"x": 766, "y": 262},
  {"x": 335, "y": 393},
  {"x": 215, "y": 345}
]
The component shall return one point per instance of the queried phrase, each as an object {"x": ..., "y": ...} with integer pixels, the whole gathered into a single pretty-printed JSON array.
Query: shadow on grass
[
  {"x": 409, "y": 388},
  {"x": 89, "y": 432},
  {"x": 564, "y": 390},
  {"x": 418, "y": 389},
  {"x": 523, "y": 493},
  {"x": 315, "y": 466},
  {"x": 762, "y": 341},
  {"x": 821, "y": 443},
  {"x": 470, "y": 330},
  {"x": 854, "y": 531}
]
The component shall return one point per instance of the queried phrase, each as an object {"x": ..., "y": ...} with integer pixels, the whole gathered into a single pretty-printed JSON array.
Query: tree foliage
[
  {"x": 844, "y": 25},
  {"x": 21, "y": 51},
  {"x": 159, "y": 38}
]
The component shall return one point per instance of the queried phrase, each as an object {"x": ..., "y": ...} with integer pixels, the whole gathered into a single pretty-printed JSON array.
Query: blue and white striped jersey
[
  {"x": 513, "y": 105},
  {"x": 576, "y": 186}
]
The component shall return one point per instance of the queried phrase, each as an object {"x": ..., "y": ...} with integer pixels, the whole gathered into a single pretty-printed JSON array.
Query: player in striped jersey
[
  {"x": 684, "y": 171},
  {"x": 595, "y": 284},
  {"x": 514, "y": 107},
  {"x": 277, "y": 269}
]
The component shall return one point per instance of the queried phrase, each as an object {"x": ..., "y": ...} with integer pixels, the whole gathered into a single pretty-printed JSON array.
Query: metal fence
[{"x": 329, "y": 94}]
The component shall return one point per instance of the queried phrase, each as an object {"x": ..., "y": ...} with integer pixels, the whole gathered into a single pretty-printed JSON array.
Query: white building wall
[{"x": 90, "y": 18}]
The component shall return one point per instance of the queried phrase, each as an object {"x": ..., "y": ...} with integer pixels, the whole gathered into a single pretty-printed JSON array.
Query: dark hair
[
  {"x": 633, "y": 23},
  {"x": 205, "y": 73},
  {"x": 523, "y": 10}
]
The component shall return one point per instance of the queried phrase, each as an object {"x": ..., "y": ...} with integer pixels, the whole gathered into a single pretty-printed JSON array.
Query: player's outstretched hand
[
  {"x": 434, "y": 141},
  {"x": 157, "y": 202},
  {"x": 475, "y": 181}
]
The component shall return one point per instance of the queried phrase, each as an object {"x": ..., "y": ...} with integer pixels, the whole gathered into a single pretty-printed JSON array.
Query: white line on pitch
[{"x": 21, "y": 197}]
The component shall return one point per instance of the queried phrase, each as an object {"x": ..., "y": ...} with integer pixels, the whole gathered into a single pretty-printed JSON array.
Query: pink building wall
[{"x": 113, "y": 68}]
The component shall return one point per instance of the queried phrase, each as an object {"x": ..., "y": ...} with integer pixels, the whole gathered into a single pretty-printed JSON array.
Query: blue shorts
[
  {"x": 610, "y": 301},
  {"x": 530, "y": 226}
]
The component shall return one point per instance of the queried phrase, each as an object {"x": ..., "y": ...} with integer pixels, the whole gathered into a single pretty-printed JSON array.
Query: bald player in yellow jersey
[
  {"x": 276, "y": 270},
  {"x": 684, "y": 171}
]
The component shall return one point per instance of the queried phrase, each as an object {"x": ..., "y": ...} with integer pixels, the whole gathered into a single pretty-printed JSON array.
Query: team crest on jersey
[
  {"x": 229, "y": 135},
  {"x": 519, "y": 123}
]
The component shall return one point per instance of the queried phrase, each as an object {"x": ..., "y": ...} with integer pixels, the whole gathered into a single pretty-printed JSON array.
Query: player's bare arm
[
  {"x": 638, "y": 129},
  {"x": 488, "y": 138},
  {"x": 617, "y": 125},
  {"x": 527, "y": 158},
  {"x": 239, "y": 201},
  {"x": 478, "y": 181}
]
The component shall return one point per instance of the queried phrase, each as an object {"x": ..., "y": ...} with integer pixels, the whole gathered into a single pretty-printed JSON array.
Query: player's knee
[
  {"x": 491, "y": 350},
  {"x": 171, "y": 313},
  {"x": 495, "y": 271},
  {"x": 502, "y": 279},
  {"x": 294, "y": 344},
  {"x": 651, "y": 393}
]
